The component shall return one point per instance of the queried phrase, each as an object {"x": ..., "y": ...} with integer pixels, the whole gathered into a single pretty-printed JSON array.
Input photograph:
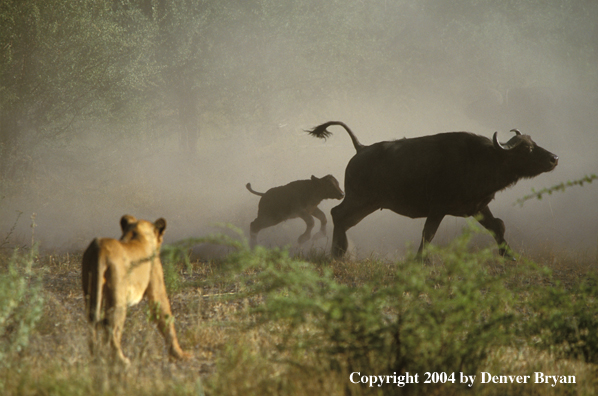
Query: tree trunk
[{"x": 189, "y": 122}]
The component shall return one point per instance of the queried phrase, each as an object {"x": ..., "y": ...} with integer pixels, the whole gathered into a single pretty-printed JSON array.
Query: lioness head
[{"x": 142, "y": 229}]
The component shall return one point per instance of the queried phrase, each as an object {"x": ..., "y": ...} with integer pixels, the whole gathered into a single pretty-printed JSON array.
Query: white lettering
[
  {"x": 571, "y": 379},
  {"x": 351, "y": 377},
  {"x": 486, "y": 377},
  {"x": 373, "y": 380},
  {"x": 401, "y": 381},
  {"x": 522, "y": 379},
  {"x": 539, "y": 378},
  {"x": 553, "y": 380},
  {"x": 411, "y": 379},
  {"x": 465, "y": 379}
]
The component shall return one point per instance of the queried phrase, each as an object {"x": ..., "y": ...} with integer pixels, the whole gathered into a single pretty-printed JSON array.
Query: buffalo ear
[
  {"x": 125, "y": 221},
  {"x": 160, "y": 225}
]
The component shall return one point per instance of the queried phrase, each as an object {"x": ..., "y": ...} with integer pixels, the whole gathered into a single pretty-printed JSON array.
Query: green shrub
[
  {"x": 176, "y": 257},
  {"x": 21, "y": 303},
  {"x": 443, "y": 318},
  {"x": 557, "y": 187},
  {"x": 564, "y": 320}
]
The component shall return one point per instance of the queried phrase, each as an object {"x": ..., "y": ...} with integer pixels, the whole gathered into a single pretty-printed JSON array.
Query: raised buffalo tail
[
  {"x": 248, "y": 185},
  {"x": 94, "y": 268},
  {"x": 321, "y": 132}
]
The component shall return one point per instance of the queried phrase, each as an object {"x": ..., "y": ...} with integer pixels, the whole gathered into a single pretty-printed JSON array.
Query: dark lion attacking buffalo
[
  {"x": 296, "y": 199},
  {"x": 452, "y": 173}
]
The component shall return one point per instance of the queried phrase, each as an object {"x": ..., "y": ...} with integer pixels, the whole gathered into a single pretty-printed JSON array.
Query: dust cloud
[{"x": 387, "y": 69}]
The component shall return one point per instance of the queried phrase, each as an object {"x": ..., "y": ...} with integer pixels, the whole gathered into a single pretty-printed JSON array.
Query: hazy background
[{"x": 167, "y": 109}]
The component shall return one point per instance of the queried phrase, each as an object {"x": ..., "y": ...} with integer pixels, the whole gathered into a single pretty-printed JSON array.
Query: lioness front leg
[
  {"x": 161, "y": 313},
  {"x": 318, "y": 214}
]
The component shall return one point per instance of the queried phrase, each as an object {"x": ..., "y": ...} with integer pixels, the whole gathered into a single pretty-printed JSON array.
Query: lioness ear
[
  {"x": 160, "y": 225},
  {"x": 125, "y": 221}
]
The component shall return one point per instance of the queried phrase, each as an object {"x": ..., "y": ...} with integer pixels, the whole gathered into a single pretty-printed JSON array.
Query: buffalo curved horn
[{"x": 505, "y": 147}]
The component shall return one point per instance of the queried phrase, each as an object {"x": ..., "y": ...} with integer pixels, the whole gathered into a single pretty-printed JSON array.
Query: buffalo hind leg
[
  {"x": 430, "y": 228},
  {"x": 497, "y": 227},
  {"x": 259, "y": 224},
  {"x": 318, "y": 214},
  {"x": 345, "y": 216},
  {"x": 309, "y": 221}
]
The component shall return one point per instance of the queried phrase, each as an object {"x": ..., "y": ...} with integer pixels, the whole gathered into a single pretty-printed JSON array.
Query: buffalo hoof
[
  {"x": 507, "y": 254},
  {"x": 302, "y": 239},
  {"x": 424, "y": 259},
  {"x": 319, "y": 235}
]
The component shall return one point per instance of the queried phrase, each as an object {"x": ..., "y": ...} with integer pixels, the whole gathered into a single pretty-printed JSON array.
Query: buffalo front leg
[
  {"x": 161, "y": 313},
  {"x": 430, "y": 228},
  {"x": 309, "y": 221},
  {"x": 497, "y": 227},
  {"x": 345, "y": 216},
  {"x": 318, "y": 214}
]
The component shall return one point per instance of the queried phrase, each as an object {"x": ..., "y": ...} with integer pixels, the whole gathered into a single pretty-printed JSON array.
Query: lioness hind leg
[
  {"x": 116, "y": 323},
  {"x": 116, "y": 314},
  {"x": 161, "y": 313},
  {"x": 93, "y": 339},
  {"x": 99, "y": 336}
]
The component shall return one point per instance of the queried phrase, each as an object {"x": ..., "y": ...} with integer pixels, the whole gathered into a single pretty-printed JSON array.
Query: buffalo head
[
  {"x": 328, "y": 187},
  {"x": 523, "y": 156}
]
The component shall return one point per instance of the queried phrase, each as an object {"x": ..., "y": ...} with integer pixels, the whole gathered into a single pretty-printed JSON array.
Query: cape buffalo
[
  {"x": 453, "y": 173},
  {"x": 296, "y": 199}
]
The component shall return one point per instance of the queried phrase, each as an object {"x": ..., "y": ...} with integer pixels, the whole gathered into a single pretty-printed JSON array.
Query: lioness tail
[{"x": 93, "y": 280}]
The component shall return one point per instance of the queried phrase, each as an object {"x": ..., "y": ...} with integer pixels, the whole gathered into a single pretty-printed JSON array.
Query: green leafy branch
[{"x": 559, "y": 187}]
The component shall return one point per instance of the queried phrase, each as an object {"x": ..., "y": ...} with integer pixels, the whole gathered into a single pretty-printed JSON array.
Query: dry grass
[{"x": 231, "y": 358}]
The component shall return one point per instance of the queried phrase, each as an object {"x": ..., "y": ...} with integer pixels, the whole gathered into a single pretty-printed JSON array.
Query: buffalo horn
[{"x": 505, "y": 147}]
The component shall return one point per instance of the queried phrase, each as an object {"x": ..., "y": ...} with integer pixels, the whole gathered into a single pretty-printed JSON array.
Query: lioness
[
  {"x": 117, "y": 274},
  {"x": 296, "y": 199}
]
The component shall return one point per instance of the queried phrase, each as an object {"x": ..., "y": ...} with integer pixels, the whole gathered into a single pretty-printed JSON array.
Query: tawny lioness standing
[{"x": 118, "y": 274}]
